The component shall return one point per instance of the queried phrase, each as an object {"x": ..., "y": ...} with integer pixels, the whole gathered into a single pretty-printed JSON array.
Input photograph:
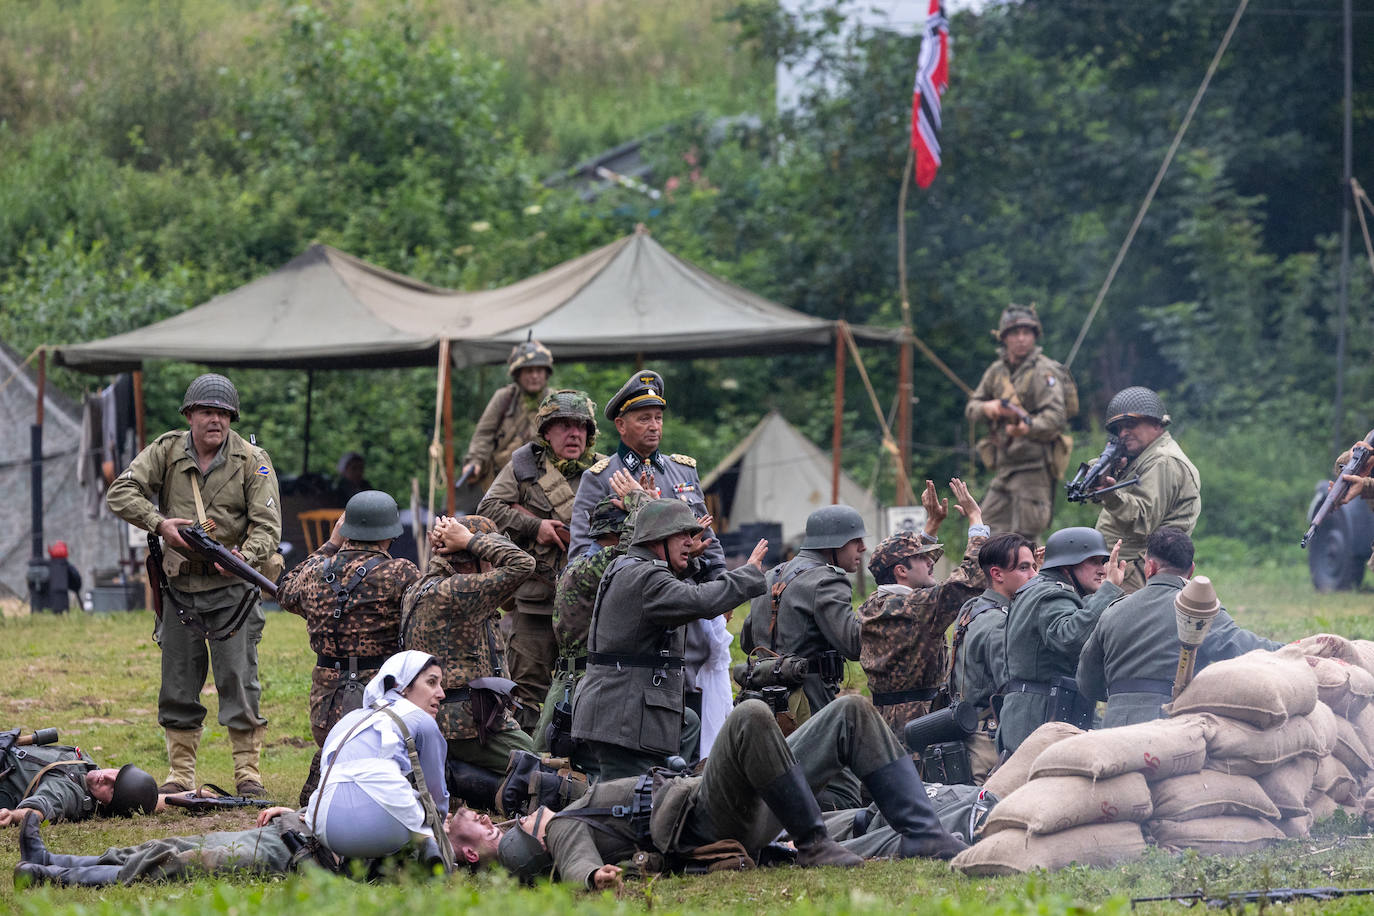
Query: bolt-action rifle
[
  {"x": 1359, "y": 462},
  {"x": 1273, "y": 895}
]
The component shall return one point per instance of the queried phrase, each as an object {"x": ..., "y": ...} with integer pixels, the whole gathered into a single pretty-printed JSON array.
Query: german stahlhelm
[
  {"x": 832, "y": 526},
  {"x": 371, "y": 516},
  {"x": 664, "y": 518},
  {"x": 211, "y": 390},
  {"x": 1135, "y": 403},
  {"x": 134, "y": 791},
  {"x": 521, "y": 853},
  {"x": 1071, "y": 546}
]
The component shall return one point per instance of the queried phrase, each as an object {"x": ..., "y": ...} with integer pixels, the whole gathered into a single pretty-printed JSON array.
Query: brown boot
[
  {"x": 181, "y": 758},
  {"x": 247, "y": 746}
]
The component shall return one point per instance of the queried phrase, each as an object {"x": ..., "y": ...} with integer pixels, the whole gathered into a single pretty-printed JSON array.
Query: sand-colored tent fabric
[
  {"x": 328, "y": 309},
  {"x": 778, "y": 475}
]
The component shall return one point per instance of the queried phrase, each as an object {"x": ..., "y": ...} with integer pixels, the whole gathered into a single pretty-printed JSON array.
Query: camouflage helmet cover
[
  {"x": 1018, "y": 316},
  {"x": 211, "y": 390},
  {"x": 568, "y": 404},
  {"x": 606, "y": 518},
  {"x": 664, "y": 518},
  {"x": 900, "y": 546},
  {"x": 371, "y": 516},
  {"x": 529, "y": 353},
  {"x": 1135, "y": 402},
  {"x": 833, "y": 526},
  {"x": 1071, "y": 546}
]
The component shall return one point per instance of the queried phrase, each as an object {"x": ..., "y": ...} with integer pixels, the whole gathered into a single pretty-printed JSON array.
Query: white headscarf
[{"x": 402, "y": 669}]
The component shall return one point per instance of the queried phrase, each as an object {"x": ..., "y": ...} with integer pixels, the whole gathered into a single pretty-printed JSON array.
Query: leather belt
[
  {"x": 1036, "y": 687},
  {"x": 892, "y": 698},
  {"x": 568, "y": 663},
  {"x": 653, "y": 662},
  {"x": 350, "y": 662},
  {"x": 1141, "y": 685}
]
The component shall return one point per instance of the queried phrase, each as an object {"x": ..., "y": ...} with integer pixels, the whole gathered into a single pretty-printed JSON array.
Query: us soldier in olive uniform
[
  {"x": 1050, "y": 619},
  {"x": 754, "y": 784},
  {"x": 629, "y": 708},
  {"x": 508, "y": 421},
  {"x": 978, "y": 654},
  {"x": 902, "y": 624},
  {"x": 349, "y": 592},
  {"x": 1360, "y": 488},
  {"x": 531, "y": 502},
  {"x": 814, "y": 603},
  {"x": 612, "y": 527},
  {"x": 56, "y": 782},
  {"x": 451, "y": 613},
  {"x": 207, "y": 472},
  {"x": 1027, "y": 454},
  {"x": 1131, "y": 658},
  {"x": 1169, "y": 492}
]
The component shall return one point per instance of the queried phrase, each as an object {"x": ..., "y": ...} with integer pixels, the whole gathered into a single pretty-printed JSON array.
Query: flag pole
[{"x": 904, "y": 383}]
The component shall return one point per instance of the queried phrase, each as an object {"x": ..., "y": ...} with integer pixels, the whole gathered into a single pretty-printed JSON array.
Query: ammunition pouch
[
  {"x": 559, "y": 735},
  {"x": 947, "y": 763},
  {"x": 532, "y": 781},
  {"x": 830, "y": 666},
  {"x": 1068, "y": 705},
  {"x": 491, "y": 698}
]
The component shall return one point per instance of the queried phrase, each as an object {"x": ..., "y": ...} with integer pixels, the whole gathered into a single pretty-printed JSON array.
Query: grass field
[{"x": 94, "y": 677}]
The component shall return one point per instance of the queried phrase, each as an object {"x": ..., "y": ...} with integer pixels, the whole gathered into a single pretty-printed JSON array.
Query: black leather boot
[
  {"x": 29, "y": 873},
  {"x": 901, "y": 797},
  {"x": 476, "y": 786},
  {"x": 792, "y": 802},
  {"x": 32, "y": 848}
]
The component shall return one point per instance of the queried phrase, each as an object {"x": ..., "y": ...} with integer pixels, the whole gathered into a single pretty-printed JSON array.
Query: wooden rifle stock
[
  {"x": 1359, "y": 459},
  {"x": 212, "y": 551}
]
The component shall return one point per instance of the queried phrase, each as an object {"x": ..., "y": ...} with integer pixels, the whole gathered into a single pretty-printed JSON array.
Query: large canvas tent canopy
[
  {"x": 328, "y": 309},
  {"x": 94, "y": 543},
  {"x": 776, "y": 474}
]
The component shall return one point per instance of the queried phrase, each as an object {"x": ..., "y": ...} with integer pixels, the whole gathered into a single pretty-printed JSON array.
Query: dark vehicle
[{"x": 1337, "y": 552}]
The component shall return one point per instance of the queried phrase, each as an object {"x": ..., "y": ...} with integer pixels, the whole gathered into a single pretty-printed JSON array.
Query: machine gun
[
  {"x": 1084, "y": 485},
  {"x": 1359, "y": 460},
  {"x": 1273, "y": 895},
  {"x": 212, "y": 551}
]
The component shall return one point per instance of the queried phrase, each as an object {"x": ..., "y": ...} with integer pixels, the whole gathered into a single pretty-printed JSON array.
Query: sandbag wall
[{"x": 1256, "y": 749}]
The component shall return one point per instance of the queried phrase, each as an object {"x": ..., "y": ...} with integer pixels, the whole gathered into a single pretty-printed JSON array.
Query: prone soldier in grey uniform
[
  {"x": 211, "y": 473},
  {"x": 508, "y": 421},
  {"x": 57, "y": 782},
  {"x": 1050, "y": 619},
  {"x": 754, "y": 784},
  {"x": 531, "y": 501},
  {"x": 1022, "y": 399},
  {"x": 1169, "y": 492},
  {"x": 630, "y": 707},
  {"x": 1131, "y": 658},
  {"x": 349, "y": 592},
  {"x": 978, "y": 652}
]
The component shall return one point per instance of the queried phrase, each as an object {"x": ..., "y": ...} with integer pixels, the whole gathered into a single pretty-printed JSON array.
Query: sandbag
[
  {"x": 1364, "y": 651},
  {"x": 1014, "y": 772},
  {"x": 1289, "y": 785},
  {"x": 1258, "y": 687},
  {"x": 1367, "y": 806},
  {"x": 1157, "y": 749},
  {"x": 1350, "y": 750},
  {"x": 1324, "y": 645},
  {"x": 1364, "y": 727},
  {"x": 1235, "y": 747},
  {"x": 1008, "y": 852},
  {"x": 1222, "y": 836},
  {"x": 1333, "y": 779},
  {"x": 1322, "y": 806},
  {"x": 1346, "y": 688},
  {"x": 1055, "y": 803},
  {"x": 1296, "y": 826},
  {"x": 1323, "y": 722},
  {"x": 1209, "y": 794}
]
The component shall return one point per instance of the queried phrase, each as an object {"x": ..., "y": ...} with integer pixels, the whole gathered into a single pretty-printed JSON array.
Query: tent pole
[
  {"x": 639, "y": 361},
  {"x": 139, "y": 421},
  {"x": 904, "y": 393},
  {"x": 38, "y": 571},
  {"x": 837, "y": 437},
  {"x": 446, "y": 380},
  {"x": 309, "y": 404}
]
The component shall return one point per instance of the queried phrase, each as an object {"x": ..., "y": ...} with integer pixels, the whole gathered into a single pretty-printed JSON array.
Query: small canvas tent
[
  {"x": 94, "y": 543},
  {"x": 778, "y": 475}
]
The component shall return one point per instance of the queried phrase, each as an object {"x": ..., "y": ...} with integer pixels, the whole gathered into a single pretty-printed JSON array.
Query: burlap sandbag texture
[
  {"x": 1055, "y": 803},
  {"x": 1013, "y": 774},
  {"x": 1158, "y": 750},
  {"x": 1210, "y": 794},
  {"x": 1257, "y": 688},
  {"x": 1227, "y": 836},
  {"x": 1011, "y": 851}
]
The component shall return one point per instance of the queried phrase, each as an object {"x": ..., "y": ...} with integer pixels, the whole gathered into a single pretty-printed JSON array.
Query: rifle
[
  {"x": 1240, "y": 898},
  {"x": 1359, "y": 457},
  {"x": 458, "y": 484},
  {"x": 1084, "y": 487},
  {"x": 212, "y": 551},
  {"x": 1020, "y": 413},
  {"x": 200, "y": 801}
]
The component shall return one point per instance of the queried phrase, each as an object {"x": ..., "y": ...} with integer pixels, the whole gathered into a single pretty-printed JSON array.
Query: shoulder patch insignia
[
  {"x": 684, "y": 459},
  {"x": 600, "y": 465},
  {"x": 1050, "y": 379},
  {"x": 264, "y": 470}
]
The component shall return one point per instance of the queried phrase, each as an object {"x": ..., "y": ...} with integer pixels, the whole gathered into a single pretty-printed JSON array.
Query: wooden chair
[{"x": 316, "y": 525}]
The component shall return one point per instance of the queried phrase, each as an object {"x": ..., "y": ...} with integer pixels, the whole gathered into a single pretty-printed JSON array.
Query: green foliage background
[{"x": 152, "y": 156}]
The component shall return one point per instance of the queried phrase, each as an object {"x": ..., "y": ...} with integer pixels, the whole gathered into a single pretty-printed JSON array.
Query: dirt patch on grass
[{"x": 13, "y": 607}]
